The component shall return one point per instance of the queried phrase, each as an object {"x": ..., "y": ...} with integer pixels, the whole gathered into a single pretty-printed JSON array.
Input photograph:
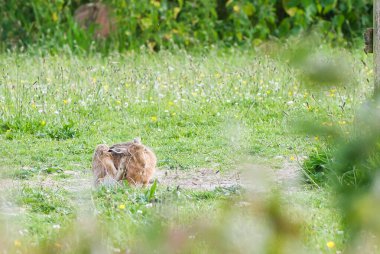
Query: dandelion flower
[
  {"x": 65, "y": 102},
  {"x": 330, "y": 244},
  {"x": 342, "y": 122},
  {"x": 121, "y": 206},
  {"x": 54, "y": 17},
  {"x": 236, "y": 8}
]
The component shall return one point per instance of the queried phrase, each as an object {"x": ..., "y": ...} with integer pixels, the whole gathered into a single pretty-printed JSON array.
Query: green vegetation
[
  {"x": 169, "y": 24},
  {"x": 222, "y": 110}
]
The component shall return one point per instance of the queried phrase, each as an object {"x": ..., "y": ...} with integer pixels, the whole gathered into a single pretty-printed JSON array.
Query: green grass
[{"x": 219, "y": 111}]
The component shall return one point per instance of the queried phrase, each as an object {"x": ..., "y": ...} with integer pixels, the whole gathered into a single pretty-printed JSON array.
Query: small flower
[
  {"x": 236, "y": 8},
  {"x": 342, "y": 122},
  {"x": 153, "y": 118},
  {"x": 42, "y": 123},
  {"x": 17, "y": 243},
  {"x": 56, "y": 226},
  {"x": 330, "y": 244},
  {"x": 65, "y": 102},
  {"x": 155, "y": 3},
  {"x": 139, "y": 211},
  {"x": 316, "y": 138},
  {"x": 54, "y": 17},
  {"x": 121, "y": 206},
  {"x": 292, "y": 158}
]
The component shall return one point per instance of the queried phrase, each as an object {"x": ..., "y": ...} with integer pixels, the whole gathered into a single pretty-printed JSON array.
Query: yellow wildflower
[
  {"x": 330, "y": 244},
  {"x": 236, "y": 8},
  {"x": 65, "y": 102},
  {"x": 121, "y": 206},
  {"x": 316, "y": 138},
  {"x": 154, "y": 118},
  {"x": 292, "y": 158},
  {"x": 54, "y": 17},
  {"x": 43, "y": 123},
  {"x": 155, "y": 3}
]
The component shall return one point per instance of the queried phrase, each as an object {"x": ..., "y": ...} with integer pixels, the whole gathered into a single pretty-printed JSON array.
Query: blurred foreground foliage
[
  {"x": 157, "y": 24},
  {"x": 348, "y": 161}
]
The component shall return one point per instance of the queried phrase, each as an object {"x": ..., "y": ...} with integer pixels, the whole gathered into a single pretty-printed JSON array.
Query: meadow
[{"x": 224, "y": 110}]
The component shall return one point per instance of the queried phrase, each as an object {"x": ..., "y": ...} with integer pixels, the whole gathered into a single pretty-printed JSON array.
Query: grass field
[{"x": 224, "y": 111}]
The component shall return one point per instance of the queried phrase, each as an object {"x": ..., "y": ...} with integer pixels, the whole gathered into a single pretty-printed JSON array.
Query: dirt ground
[
  {"x": 198, "y": 179},
  {"x": 79, "y": 183}
]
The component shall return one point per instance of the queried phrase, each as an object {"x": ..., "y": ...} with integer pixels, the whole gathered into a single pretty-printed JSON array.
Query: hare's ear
[
  {"x": 137, "y": 140},
  {"x": 115, "y": 150}
]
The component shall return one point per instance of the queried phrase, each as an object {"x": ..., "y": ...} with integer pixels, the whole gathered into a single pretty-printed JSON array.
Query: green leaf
[
  {"x": 249, "y": 9},
  {"x": 152, "y": 191}
]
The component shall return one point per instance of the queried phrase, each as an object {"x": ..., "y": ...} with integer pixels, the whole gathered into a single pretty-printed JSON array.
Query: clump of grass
[
  {"x": 45, "y": 200},
  {"x": 39, "y": 128},
  {"x": 66, "y": 131},
  {"x": 316, "y": 166},
  {"x": 28, "y": 173}
]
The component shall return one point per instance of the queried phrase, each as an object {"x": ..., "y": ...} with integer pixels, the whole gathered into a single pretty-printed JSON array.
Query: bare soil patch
[{"x": 198, "y": 179}]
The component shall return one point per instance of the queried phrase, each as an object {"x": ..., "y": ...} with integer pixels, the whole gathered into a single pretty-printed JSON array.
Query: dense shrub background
[{"x": 185, "y": 23}]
